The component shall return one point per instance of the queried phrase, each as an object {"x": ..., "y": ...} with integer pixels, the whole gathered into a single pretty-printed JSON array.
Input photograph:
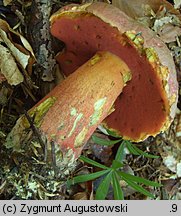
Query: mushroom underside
[{"x": 142, "y": 108}]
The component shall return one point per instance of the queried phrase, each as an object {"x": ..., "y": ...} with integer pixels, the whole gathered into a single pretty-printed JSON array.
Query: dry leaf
[
  {"x": 21, "y": 58},
  {"x": 160, "y": 22},
  {"x": 20, "y": 51},
  {"x": 136, "y": 9},
  {"x": 27, "y": 56},
  {"x": 158, "y": 15},
  {"x": 8, "y": 67},
  {"x": 7, "y": 2},
  {"x": 172, "y": 164},
  {"x": 177, "y": 3},
  {"x": 168, "y": 33},
  {"x": 5, "y": 27},
  {"x": 80, "y": 196},
  {"x": 27, "y": 45}
]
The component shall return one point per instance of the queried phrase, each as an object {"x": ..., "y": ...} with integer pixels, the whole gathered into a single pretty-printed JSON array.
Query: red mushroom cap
[{"x": 148, "y": 103}]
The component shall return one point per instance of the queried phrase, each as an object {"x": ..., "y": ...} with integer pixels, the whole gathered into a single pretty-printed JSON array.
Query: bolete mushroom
[
  {"x": 147, "y": 104},
  {"x": 71, "y": 112}
]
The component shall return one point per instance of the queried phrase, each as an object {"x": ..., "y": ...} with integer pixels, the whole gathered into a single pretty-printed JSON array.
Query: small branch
[
  {"x": 41, "y": 39},
  {"x": 35, "y": 130},
  {"x": 53, "y": 157}
]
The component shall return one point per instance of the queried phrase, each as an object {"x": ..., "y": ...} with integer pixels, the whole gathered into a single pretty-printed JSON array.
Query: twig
[
  {"x": 53, "y": 157},
  {"x": 34, "y": 129}
]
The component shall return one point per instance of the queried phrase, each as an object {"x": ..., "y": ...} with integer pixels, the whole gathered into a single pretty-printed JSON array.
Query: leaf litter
[{"x": 9, "y": 68}]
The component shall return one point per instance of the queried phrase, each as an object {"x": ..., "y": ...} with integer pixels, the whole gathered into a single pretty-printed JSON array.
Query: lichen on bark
[{"x": 41, "y": 39}]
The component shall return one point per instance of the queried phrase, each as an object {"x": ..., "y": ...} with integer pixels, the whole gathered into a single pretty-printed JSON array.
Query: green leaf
[
  {"x": 87, "y": 177},
  {"x": 113, "y": 133},
  {"x": 101, "y": 141},
  {"x": 118, "y": 193},
  {"x": 130, "y": 148},
  {"x": 120, "y": 152},
  {"x": 138, "y": 187},
  {"x": 139, "y": 179},
  {"x": 145, "y": 154},
  {"x": 92, "y": 162},
  {"x": 116, "y": 164},
  {"x": 136, "y": 151},
  {"x": 103, "y": 188}
]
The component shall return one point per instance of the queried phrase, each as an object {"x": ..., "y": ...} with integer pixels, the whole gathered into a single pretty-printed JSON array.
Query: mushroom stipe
[
  {"x": 83, "y": 100},
  {"x": 71, "y": 112}
]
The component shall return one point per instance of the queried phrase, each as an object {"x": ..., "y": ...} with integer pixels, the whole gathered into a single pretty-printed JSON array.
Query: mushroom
[
  {"x": 147, "y": 104},
  {"x": 105, "y": 51}
]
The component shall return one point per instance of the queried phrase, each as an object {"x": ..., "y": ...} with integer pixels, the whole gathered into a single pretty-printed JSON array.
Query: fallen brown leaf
[
  {"x": 169, "y": 33},
  {"x": 136, "y": 9},
  {"x": 9, "y": 68}
]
